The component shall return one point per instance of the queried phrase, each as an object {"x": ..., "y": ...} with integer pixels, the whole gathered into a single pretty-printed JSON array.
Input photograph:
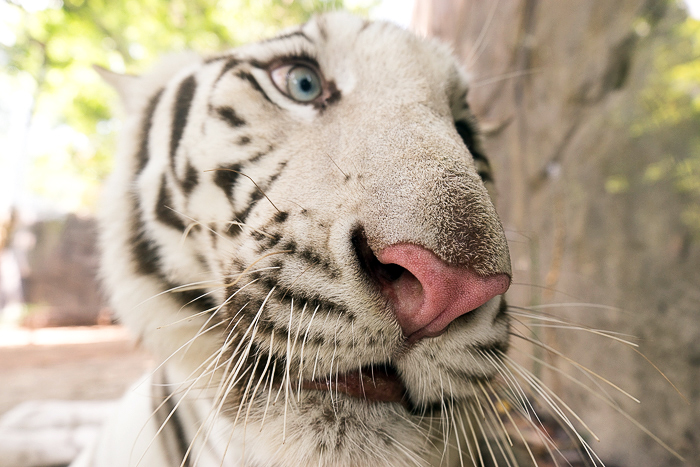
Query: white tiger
[{"x": 301, "y": 230}]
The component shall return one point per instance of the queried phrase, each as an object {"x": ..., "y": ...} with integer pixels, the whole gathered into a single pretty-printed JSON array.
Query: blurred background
[{"x": 591, "y": 117}]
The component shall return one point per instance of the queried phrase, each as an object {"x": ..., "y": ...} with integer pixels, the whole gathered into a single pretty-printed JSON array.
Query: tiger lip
[{"x": 376, "y": 384}]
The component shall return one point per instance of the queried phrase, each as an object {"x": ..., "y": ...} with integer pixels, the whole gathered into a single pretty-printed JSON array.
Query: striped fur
[{"x": 232, "y": 235}]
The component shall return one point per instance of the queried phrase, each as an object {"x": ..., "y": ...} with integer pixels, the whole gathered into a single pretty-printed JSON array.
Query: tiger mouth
[{"x": 377, "y": 383}]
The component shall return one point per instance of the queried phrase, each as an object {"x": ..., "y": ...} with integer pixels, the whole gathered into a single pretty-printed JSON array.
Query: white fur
[{"x": 410, "y": 179}]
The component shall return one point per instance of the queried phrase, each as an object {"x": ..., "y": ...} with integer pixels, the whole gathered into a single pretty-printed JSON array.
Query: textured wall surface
[
  {"x": 60, "y": 284},
  {"x": 556, "y": 86}
]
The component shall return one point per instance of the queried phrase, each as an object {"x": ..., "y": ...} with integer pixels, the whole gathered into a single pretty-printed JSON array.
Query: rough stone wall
[
  {"x": 555, "y": 86},
  {"x": 60, "y": 285}
]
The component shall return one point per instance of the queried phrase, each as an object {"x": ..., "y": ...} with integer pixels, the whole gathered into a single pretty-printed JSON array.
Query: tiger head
[{"x": 301, "y": 229}]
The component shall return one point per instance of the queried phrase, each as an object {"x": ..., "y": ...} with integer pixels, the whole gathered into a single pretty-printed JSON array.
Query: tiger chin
[{"x": 301, "y": 231}]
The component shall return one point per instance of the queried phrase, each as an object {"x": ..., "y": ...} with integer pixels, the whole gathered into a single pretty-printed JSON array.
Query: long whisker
[
  {"x": 542, "y": 287},
  {"x": 619, "y": 410},
  {"x": 513, "y": 424},
  {"x": 476, "y": 402},
  {"x": 663, "y": 375},
  {"x": 463, "y": 429},
  {"x": 452, "y": 418},
  {"x": 285, "y": 379},
  {"x": 571, "y": 378},
  {"x": 593, "y": 306},
  {"x": 503, "y": 448},
  {"x": 179, "y": 288},
  {"x": 235, "y": 374},
  {"x": 243, "y": 224},
  {"x": 247, "y": 269},
  {"x": 269, "y": 395},
  {"x": 477, "y": 49},
  {"x": 576, "y": 364},
  {"x": 493, "y": 408},
  {"x": 553, "y": 402},
  {"x": 531, "y": 378},
  {"x": 504, "y": 76},
  {"x": 474, "y": 434},
  {"x": 303, "y": 345},
  {"x": 196, "y": 222},
  {"x": 517, "y": 393},
  {"x": 262, "y": 375},
  {"x": 206, "y": 364},
  {"x": 568, "y": 325}
]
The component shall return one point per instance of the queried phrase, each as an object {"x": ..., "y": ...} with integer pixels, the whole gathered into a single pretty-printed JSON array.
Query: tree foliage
[
  {"x": 52, "y": 44},
  {"x": 668, "y": 115}
]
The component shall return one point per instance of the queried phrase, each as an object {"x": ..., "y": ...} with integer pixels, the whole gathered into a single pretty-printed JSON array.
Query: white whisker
[
  {"x": 481, "y": 429},
  {"x": 285, "y": 379},
  {"x": 303, "y": 346},
  {"x": 548, "y": 396},
  {"x": 478, "y": 44},
  {"x": 576, "y": 364}
]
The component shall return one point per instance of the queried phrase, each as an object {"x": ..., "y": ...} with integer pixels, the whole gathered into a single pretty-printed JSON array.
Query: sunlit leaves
[
  {"x": 669, "y": 115},
  {"x": 56, "y": 42}
]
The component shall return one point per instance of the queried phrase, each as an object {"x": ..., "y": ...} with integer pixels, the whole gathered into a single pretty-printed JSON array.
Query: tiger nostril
[
  {"x": 432, "y": 293},
  {"x": 426, "y": 293},
  {"x": 378, "y": 271},
  {"x": 390, "y": 272}
]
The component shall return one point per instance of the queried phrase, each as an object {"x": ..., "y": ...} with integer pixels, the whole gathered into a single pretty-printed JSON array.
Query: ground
[
  {"x": 99, "y": 363},
  {"x": 93, "y": 363}
]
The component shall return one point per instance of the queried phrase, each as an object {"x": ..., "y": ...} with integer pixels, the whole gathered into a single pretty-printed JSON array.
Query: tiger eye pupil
[{"x": 303, "y": 84}]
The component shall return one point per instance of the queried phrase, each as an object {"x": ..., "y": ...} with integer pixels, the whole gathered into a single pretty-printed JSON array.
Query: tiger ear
[{"x": 124, "y": 84}]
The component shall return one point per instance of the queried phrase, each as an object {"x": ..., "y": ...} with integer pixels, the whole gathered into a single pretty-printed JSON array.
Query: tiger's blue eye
[{"x": 303, "y": 84}]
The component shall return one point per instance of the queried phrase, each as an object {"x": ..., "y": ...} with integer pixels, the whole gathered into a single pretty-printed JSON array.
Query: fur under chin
[{"x": 337, "y": 430}]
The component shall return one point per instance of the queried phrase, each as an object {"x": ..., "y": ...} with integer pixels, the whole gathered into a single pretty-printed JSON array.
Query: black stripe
[
  {"x": 212, "y": 234},
  {"x": 468, "y": 135},
  {"x": 485, "y": 176},
  {"x": 142, "y": 155},
  {"x": 146, "y": 256},
  {"x": 173, "y": 434},
  {"x": 231, "y": 63},
  {"x": 244, "y": 75},
  {"x": 179, "y": 432},
  {"x": 333, "y": 95},
  {"x": 164, "y": 207},
  {"x": 159, "y": 396},
  {"x": 284, "y": 295},
  {"x": 261, "y": 154},
  {"x": 322, "y": 29},
  {"x": 214, "y": 59},
  {"x": 228, "y": 115},
  {"x": 144, "y": 250},
  {"x": 191, "y": 179},
  {"x": 195, "y": 297},
  {"x": 298, "y": 56},
  {"x": 243, "y": 215},
  {"x": 258, "y": 194},
  {"x": 181, "y": 109},
  {"x": 281, "y": 216},
  {"x": 289, "y": 36},
  {"x": 226, "y": 177}
]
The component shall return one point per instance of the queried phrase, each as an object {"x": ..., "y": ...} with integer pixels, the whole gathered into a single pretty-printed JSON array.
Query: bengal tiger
[{"x": 302, "y": 231}]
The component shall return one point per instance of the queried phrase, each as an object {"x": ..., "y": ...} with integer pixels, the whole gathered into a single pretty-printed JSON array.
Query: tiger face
[{"x": 301, "y": 229}]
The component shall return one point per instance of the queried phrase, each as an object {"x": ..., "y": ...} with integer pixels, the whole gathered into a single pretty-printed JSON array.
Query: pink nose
[{"x": 432, "y": 293}]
